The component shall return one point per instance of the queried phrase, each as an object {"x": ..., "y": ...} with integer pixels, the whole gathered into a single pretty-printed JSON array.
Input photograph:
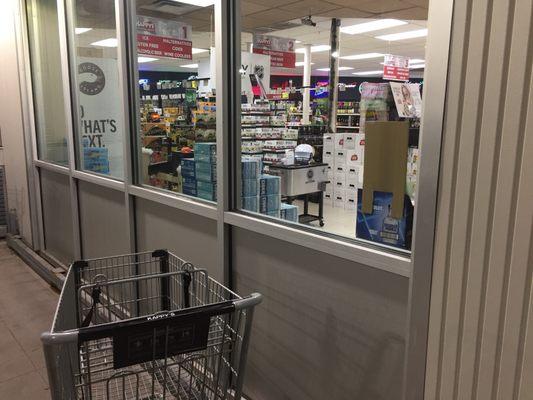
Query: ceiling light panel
[
  {"x": 198, "y": 51},
  {"x": 404, "y": 35},
  {"x": 315, "y": 49},
  {"x": 189, "y": 66},
  {"x": 364, "y": 73},
  {"x": 340, "y": 69},
  {"x": 111, "y": 42},
  {"x": 79, "y": 31},
  {"x": 197, "y": 3},
  {"x": 301, "y": 63},
  {"x": 371, "y": 26},
  {"x": 363, "y": 56},
  {"x": 146, "y": 59}
]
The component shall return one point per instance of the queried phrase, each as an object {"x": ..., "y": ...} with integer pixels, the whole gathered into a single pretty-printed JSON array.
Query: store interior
[{"x": 312, "y": 91}]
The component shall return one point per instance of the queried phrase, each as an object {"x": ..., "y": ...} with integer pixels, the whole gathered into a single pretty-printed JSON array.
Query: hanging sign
[
  {"x": 407, "y": 98},
  {"x": 163, "y": 38},
  {"x": 280, "y": 50},
  {"x": 396, "y": 68},
  {"x": 101, "y": 123}
]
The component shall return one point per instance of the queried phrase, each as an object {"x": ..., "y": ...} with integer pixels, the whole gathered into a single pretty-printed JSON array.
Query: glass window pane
[
  {"x": 101, "y": 120},
  {"x": 48, "y": 100},
  {"x": 177, "y": 132},
  {"x": 330, "y": 115}
]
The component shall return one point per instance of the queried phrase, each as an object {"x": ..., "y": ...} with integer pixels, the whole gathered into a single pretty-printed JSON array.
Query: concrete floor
[{"x": 27, "y": 305}]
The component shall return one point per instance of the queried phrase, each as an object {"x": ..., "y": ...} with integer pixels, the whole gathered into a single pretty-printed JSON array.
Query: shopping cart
[{"x": 147, "y": 326}]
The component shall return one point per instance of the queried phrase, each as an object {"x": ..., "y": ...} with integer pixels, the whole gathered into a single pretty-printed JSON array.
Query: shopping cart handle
[
  {"x": 247, "y": 302},
  {"x": 49, "y": 338}
]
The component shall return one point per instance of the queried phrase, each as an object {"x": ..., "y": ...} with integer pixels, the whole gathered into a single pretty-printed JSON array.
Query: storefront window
[
  {"x": 330, "y": 115},
  {"x": 177, "y": 132},
  {"x": 48, "y": 101},
  {"x": 96, "y": 81}
]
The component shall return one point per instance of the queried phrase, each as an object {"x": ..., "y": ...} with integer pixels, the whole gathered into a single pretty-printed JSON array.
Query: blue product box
[
  {"x": 189, "y": 182},
  {"x": 269, "y": 184},
  {"x": 205, "y": 152},
  {"x": 274, "y": 213},
  {"x": 251, "y": 169},
  {"x": 206, "y": 172},
  {"x": 190, "y": 191},
  {"x": 250, "y": 203},
  {"x": 250, "y": 187},
  {"x": 269, "y": 203},
  {"x": 379, "y": 226},
  {"x": 96, "y": 159},
  {"x": 207, "y": 195},
  {"x": 188, "y": 168},
  {"x": 206, "y": 186},
  {"x": 289, "y": 212}
]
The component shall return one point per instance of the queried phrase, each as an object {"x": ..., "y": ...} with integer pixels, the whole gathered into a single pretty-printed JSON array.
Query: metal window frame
[{"x": 416, "y": 268}]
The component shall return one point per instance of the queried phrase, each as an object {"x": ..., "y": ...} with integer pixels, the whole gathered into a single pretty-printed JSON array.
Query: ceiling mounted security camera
[{"x": 308, "y": 21}]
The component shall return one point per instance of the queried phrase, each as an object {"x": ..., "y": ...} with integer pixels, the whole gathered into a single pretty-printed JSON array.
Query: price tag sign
[{"x": 396, "y": 68}]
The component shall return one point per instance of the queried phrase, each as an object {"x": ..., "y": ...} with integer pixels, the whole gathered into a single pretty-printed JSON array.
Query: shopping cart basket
[{"x": 147, "y": 326}]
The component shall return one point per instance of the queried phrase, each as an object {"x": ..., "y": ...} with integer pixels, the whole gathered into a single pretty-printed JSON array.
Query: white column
[{"x": 306, "y": 83}]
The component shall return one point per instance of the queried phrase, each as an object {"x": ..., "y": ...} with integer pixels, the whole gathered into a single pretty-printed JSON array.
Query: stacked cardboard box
[
  {"x": 344, "y": 154},
  {"x": 289, "y": 212},
  {"x": 412, "y": 172},
  {"x": 260, "y": 192},
  {"x": 188, "y": 173},
  {"x": 205, "y": 155}
]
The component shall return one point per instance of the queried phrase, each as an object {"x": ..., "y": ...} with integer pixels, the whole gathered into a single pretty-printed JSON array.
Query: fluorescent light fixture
[
  {"x": 189, "y": 66},
  {"x": 417, "y": 66},
  {"x": 404, "y": 35},
  {"x": 340, "y": 69},
  {"x": 315, "y": 49},
  {"x": 297, "y": 41},
  {"x": 79, "y": 31},
  {"x": 372, "y": 26},
  {"x": 301, "y": 63},
  {"x": 363, "y": 56},
  {"x": 197, "y": 3},
  {"x": 197, "y": 51},
  {"x": 146, "y": 59},
  {"x": 416, "y": 61},
  {"x": 364, "y": 73},
  {"x": 111, "y": 42}
]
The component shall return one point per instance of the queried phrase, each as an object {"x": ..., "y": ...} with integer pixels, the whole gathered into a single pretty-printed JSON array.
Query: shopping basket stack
[{"x": 147, "y": 326}]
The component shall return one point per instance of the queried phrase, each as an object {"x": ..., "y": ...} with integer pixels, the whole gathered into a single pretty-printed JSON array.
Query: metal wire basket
[{"x": 147, "y": 326}]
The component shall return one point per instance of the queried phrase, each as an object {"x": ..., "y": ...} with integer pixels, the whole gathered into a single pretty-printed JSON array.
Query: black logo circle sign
[{"x": 97, "y": 85}]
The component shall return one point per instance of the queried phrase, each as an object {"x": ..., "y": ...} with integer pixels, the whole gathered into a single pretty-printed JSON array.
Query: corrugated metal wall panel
[{"x": 480, "y": 345}]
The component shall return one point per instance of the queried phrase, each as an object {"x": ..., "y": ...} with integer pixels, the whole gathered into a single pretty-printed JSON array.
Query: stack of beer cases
[
  {"x": 205, "y": 156},
  {"x": 260, "y": 192},
  {"x": 344, "y": 154},
  {"x": 188, "y": 173}
]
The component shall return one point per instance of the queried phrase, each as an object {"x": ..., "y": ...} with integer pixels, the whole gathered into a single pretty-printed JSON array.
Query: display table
[{"x": 303, "y": 180}]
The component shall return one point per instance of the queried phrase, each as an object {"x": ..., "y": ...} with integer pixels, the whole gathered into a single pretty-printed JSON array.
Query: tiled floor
[
  {"x": 27, "y": 305},
  {"x": 337, "y": 220}
]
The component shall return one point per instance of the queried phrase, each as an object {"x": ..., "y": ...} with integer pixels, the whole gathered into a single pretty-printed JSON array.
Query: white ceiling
[{"x": 283, "y": 18}]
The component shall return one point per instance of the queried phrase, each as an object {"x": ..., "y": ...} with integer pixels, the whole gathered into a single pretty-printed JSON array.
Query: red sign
[
  {"x": 164, "y": 46},
  {"x": 283, "y": 59},
  {"x": 396, "y": 68},
  {"x": 280, "y": 50}
]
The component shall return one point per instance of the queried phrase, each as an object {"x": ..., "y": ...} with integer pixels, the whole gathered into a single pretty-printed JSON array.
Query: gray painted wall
[
  {"x": 11, "y": 124},
  {"x": 57, "y": 216},
  {"x": 103, "y": 219},
  {"x": 481, "y": 319},
  {"x": 187, "y": 235},
  {"x": 327, "y": 328}
]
